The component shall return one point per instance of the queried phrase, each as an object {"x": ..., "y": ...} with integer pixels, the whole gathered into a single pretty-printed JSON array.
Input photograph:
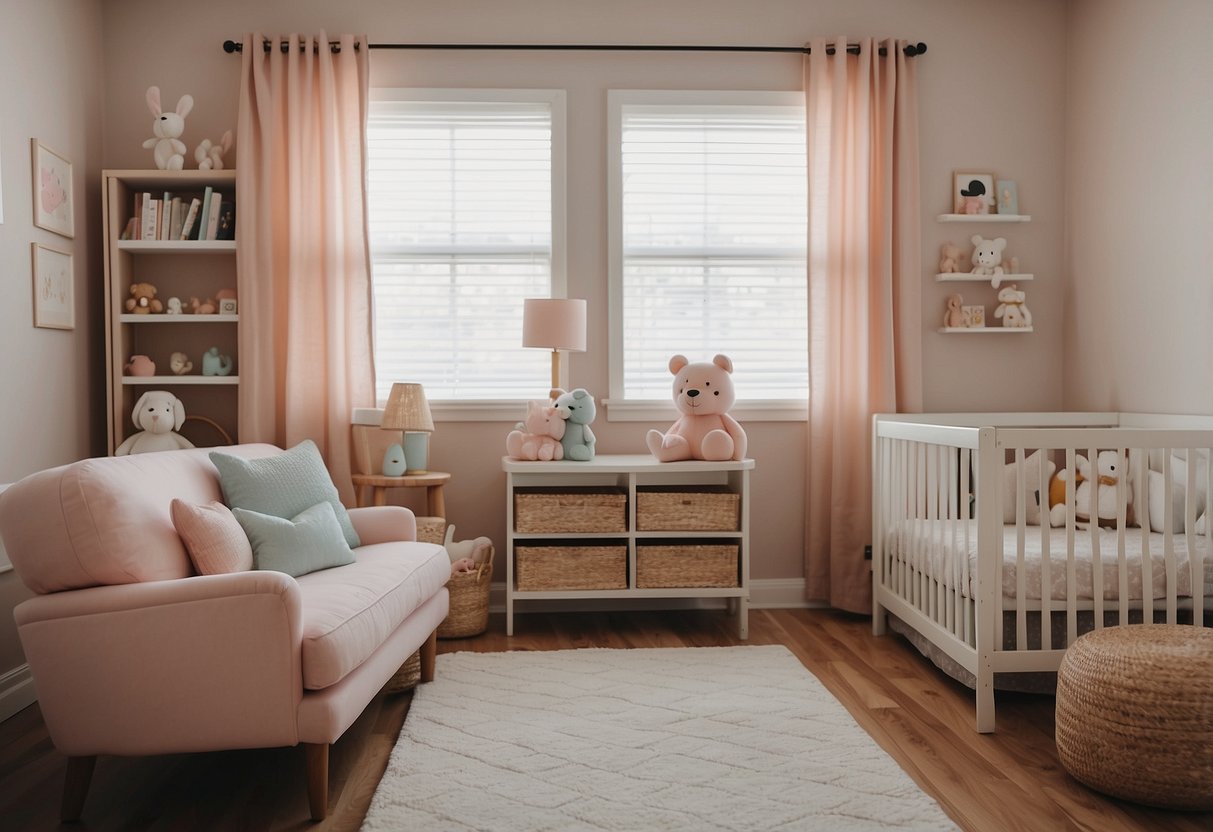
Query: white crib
[{"x": 991, "y": 592}]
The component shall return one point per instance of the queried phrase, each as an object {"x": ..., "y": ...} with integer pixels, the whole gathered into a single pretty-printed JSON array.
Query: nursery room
[{"x": 790, "y": 414}]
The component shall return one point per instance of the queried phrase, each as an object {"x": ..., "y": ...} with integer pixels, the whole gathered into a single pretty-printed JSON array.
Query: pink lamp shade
[{"x": 554, "y": 323}]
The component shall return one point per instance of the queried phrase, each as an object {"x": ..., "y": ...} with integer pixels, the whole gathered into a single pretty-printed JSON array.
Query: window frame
[
  {"x": 494, "y": 410},
  {"x": 618, "y": 408}
]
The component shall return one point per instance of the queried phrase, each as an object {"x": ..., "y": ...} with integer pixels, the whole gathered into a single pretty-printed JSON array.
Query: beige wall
[
  {"x": 992, "y": 98},
  {"x": 1139, "y": 179},
  {"x": 53, "y": 398}
]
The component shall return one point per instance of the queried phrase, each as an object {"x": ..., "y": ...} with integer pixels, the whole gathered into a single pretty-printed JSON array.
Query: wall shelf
[
  {"x": 958, "y": 277},
  {"x": 985, "y": 330},
  {"x": 984, "y": 218},
  {"x": 161, "y": 318},
  {"x": 186, "y": 379},
  {"x": 178, "y": 246}
]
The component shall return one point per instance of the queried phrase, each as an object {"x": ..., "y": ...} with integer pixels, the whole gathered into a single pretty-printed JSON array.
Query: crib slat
[
  {"x": 965, "y": 608},
  {"x": 1096, "y": 554},
  {"x": 1021, "y": 614},
  {"x": 1046, "y": 579},
  {"x": 1071, "y": 579},
  {"x": 932, "y": 460},
  {"x": 1147, "y": 554},
  {"x": 1168, "y": 542},
  {"x": 1190, "y": 532},
  {"x": 1122, "y": 565}
]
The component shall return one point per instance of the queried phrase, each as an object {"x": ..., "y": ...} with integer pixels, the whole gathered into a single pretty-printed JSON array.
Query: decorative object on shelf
[
  {"x": 140, "y": 365},
  {"x": 703, "y": 394},
  {"x": 394, "y": 463},
  {"x": 538, "y": 438},
  {"x": 952, "y": 316},
  {"x": 143, "y": 300},
  {"x": 1012, "y": 308},
  {"x": 950, "y": 257},
  {"x": 179, "y": 363},
  {"x": 556, "y": 324},
  {"x": 1007, "y": 196},
  {"x": 209, "y": 156},
  {"x": 167, "y": 148},
  {"x": 987, "y": 257},
  {"x": 54, "y": 288},
  {"x": 973, "y": 192},
  {"x": 408, "y": 410},
  {"x": 201, "y": 307},
  {"x": 214, "y": 364},
  {"x": 226, "y": 299},
  {"x": 973, "y": 316},
  {"x": 578, "y": 411},
  {"x": 1107, "y": 503},
  {"x": 158, "y": 414},
  {"x": 54, "y": 208},
  {"x": 173, "y": 306}
]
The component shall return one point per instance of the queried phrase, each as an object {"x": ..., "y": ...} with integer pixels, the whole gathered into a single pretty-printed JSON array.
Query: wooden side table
[{"x": 431, "y": 481}]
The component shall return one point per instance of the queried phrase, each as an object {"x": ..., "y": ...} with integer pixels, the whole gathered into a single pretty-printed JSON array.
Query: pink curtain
[
  {"x": 304, "y": 267},
  {"x": 865, "y": 326}
]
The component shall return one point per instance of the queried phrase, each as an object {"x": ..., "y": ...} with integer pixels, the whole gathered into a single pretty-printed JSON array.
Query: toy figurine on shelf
[{"x": 953, "y": 317}]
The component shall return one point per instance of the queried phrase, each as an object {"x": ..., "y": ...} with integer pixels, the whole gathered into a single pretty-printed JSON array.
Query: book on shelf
[
  {"x": 164, "y": 217},
  {"x": 128, "y": 233},
  {"x": 212, "y": 222},
  {"x": 227, "y": 221},
  {"x": 176, "y": 217},
  {"x": 148, "y": 218},
  {"x": 204, "y": 213},
  {"x": 191, "y": 219},
  {"x": 137, "y": 217},
  {"x": 169, "y": 216}
]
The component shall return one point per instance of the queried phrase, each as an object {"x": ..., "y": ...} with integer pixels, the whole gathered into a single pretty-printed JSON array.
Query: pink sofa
[{"x": 134, "y": 654}]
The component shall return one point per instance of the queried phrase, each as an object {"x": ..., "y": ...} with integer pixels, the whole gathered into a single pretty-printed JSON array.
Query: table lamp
[
  {"x": 556, "y": 324},
  {"x": 407, "y": 410}
]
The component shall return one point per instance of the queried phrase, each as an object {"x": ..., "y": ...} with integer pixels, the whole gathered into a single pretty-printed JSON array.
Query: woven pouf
[
  {"x": 407, "y": 677},
  {"x": 1135, "y": 713}
]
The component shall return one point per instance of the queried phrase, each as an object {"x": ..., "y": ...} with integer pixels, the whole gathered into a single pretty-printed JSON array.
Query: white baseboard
[
  {"x": 16, "y": 691},
  {"x": 771, "y": 593}
]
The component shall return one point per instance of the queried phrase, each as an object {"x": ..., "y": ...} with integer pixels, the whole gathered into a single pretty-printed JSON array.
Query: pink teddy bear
[
  {"x": 703, "y": 393},
  {"x": 539, "y": 437}
]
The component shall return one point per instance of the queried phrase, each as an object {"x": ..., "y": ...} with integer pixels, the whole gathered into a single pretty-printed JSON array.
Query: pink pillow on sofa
[{"x": 216, "y": 542}]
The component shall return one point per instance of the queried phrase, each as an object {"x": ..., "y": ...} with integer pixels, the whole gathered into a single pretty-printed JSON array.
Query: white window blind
[
  {"x": 712, "y": 201},
  {"x": 460, "y": 203}
]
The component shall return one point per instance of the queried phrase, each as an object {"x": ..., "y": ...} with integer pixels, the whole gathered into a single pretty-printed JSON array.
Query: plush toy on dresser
[
  {"x": 577, "y": 409},
  {"x": 538, "y": 438},
  {"x": 703, "y": 394},
  {"x": 159, "y": 414}
]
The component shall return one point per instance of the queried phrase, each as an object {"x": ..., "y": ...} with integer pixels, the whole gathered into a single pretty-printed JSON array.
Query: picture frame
[
  {"x": 54, "y": 205},
  {"x": 972, "y": 193},
  {"x": 54, "y": 288},
  {"x": 1006, "y": 193},
  {"x": 973, "y": 317},
  {"x": 227, "y": 306}
]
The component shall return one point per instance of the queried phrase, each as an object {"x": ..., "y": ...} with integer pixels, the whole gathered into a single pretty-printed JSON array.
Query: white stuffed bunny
[
  {"x": 159, "y": 414},
  {"x": 466, "y": 555},
  {"x": 210, "y": 156},
  {"x": 166, "y": 144}
]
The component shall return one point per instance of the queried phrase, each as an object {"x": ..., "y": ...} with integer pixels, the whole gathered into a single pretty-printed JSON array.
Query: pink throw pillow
[{"x": 216, "y": 542}]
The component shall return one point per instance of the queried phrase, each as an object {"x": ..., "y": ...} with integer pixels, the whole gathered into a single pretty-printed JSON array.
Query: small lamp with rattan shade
[
  {"x": 555, "y": 324},
  {"x": 407, "y": 410}
]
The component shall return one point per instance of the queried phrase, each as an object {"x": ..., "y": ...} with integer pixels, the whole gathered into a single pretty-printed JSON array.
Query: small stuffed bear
[
  {"x": 703, "y": 393},
  {"x": 143, "y": 299},
  {"x": 954, "y": 316},
  {"x": 1012, "y": 308},
  {"x": 167, "y": 148},
  {"x": 538, "y": 438},
  {"x": 1107, "y": 506},
  {"x": 987, "y": 257},
  {"x": 577, "y": 409},
  {"x": 160, "y": 414},
  {"x": 949, "y": 258}
]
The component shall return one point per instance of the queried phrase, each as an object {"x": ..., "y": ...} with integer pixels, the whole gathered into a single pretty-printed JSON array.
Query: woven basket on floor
[
  {"x": 431, "y": 529},
  {"x": 407, "y": 677},
  {"x": 469, "y": 613},
  {"x": 1135, "y": 713}
]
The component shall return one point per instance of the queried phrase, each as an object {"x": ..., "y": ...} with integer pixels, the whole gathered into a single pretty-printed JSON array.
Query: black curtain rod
[{"x": 910, "y": 50}]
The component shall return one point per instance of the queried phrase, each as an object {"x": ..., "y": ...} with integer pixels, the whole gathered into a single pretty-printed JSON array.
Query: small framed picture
[
  {"x": 54, "y": 295},
  {"x": 227, "y": 306},
  {"x": 973, "y": 316},
  {"x": 54, "y": 207},
  {"x": 972, "y": 193},
  {"x": 1007, "y": 196}
]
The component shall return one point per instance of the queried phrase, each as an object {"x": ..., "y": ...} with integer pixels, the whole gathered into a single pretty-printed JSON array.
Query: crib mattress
[{"x": 947, "y": 551}]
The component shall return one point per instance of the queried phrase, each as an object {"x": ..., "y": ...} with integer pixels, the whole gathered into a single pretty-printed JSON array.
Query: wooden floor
[{"x": 1010, "y": 780}]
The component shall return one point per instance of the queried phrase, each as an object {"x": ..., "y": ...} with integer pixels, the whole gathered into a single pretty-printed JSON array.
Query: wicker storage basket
[
  {"x": 1135, "y": 713},
  {"x": 706, "y": 508},
  {"x": 469, "y": 613},
  {"x": 431, "y": 529},
  {"x": 570, "y": 567},
  {"x": 686, "y": 565},
  {"x": 407, "y": 677},
  {"x": 569, "y": 511}
]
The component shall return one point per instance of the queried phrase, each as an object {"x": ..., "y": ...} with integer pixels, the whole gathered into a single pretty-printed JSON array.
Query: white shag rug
[{"x": 734, "y": 738}]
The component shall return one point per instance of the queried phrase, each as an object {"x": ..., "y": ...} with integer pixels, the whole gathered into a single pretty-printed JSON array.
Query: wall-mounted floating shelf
[
  {"x": 984, "y": 218},
  {"x": 980, "y": 278},
  {"x": 984, "y": 330},
  {"x": 162, "y": 318}
]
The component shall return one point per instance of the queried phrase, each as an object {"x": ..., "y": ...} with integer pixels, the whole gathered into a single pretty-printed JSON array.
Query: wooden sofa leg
[
  {"x": 318, "y": 778},
  {"x": 429, "y": 656},
  {"x": 75, "y": 787}
]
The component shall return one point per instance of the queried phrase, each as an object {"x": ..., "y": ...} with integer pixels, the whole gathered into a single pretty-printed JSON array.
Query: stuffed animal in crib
[
  {"x": 1108, "y": 473},
  {"x": 167, "y": 148},
  {"x": 577, "y": 409},
  {"x": 987, "y": 257},
  {"x": 538, "y": 438},
  {"x": 949, "y": 258},
  {"x": 1012, "y": 308},
  {"x": 159, "y": 414},
  {"x": 703, "y": 394}
]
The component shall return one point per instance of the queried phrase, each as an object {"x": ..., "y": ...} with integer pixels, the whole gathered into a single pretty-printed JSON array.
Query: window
[
  {"x": 708, "y": 241},
  {"x": 465, "y": 196}
]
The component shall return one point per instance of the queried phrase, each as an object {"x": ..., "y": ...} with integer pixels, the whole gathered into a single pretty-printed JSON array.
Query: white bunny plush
[
  {"x": 166, "y": 144},
  {"x": 159, "y": 414},
  {"x": 209, "y": 156}
]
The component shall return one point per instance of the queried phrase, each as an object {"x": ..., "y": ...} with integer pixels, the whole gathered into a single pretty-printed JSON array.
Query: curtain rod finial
[{"x": 230, "y": 46}]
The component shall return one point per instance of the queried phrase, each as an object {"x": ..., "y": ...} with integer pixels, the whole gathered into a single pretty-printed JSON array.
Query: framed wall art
[
  {"x": 972, "y": 193},
  {"x": 54, "y": 293},
  {"x": 54, "y": 206},
  {"x": 1008, "y": 196}
]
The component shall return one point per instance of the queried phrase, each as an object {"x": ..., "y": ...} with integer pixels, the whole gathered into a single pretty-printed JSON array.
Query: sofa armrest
[
  {"x": 383, "y": 524},
  {"x": 193, "y": 664}
]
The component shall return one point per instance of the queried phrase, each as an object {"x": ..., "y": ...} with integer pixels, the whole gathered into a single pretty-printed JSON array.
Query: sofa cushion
[
  {"x": 309, "y": 541},
  {"x": 284, "y": 485},
  {"x": 212, "y": 536},
  {"x": 348, "y": 611}
]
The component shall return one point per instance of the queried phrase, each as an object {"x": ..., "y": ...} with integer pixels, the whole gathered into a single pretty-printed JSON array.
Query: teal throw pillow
[
  {"x": 306, "y": 543},
  {"x": 282, "y": 485}
]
